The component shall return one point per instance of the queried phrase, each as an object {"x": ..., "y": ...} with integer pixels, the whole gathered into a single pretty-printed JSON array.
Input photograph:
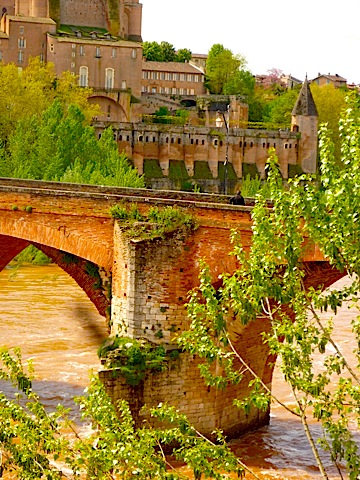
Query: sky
[{"x": 304, "y": 37}]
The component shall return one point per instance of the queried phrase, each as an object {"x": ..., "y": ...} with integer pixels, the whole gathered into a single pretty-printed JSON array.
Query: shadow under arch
[
  {"x": 110, "y": 106},
  {"x": 77, "y": 268}
]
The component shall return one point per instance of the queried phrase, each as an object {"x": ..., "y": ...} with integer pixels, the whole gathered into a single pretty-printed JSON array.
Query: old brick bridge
[{"x": 145, "y": 282}]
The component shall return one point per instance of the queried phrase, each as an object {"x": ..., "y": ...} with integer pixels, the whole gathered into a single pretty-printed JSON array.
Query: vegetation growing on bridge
[
  {"x": 155, "y": 224},
  {"x": 132, "y": 359}
]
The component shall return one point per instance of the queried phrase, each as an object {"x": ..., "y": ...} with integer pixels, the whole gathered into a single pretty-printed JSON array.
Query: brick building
[
  {"x": 99, "y": 41},
  {"x": 172, "y": 78}
]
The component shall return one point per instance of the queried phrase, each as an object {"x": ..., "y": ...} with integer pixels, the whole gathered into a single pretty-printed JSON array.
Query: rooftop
[{"x": 181, "y": 67}]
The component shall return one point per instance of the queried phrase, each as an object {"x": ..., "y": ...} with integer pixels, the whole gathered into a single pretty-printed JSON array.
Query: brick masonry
[{"x": 150, "y": 282}]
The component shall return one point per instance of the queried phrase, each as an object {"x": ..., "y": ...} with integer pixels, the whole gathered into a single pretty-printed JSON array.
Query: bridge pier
[{"x": 151, "y": 281}]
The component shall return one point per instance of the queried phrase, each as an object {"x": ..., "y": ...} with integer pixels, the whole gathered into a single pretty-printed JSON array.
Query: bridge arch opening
[
  {"x": 92, "y": 279},
  {"x": 49, "y": 317}
]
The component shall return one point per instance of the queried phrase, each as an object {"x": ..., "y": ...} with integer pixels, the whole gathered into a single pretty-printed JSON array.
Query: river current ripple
[{"x": 46, "y": 314}]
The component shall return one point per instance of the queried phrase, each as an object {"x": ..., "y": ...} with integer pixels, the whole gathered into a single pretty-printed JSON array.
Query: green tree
[
  {"x": 221, "y": 66},
  {"x": 241, "y": 83},
  {"x": 330, "y": 101},
  {"x": 269, "y": 287},
  {"x": 62, "y": 147},
  {"x": 183, "y": 55},
  {"x": 152, "y": 52},
  {"x": 31, "y": 91},
  {"x": 33, "y": 443},
  {"x": 164, "y": 52},
  {"x": 280, "y": 108},
  {"x": 168, "y": 52}
]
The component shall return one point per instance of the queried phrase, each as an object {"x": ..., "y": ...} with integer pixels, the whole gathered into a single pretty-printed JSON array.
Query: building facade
[
  {"x": 174, "y": 78},
  {"x": 92, "y": 39}
]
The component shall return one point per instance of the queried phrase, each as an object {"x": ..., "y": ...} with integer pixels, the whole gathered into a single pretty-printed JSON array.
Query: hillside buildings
[{"x": 100, "y": 42}]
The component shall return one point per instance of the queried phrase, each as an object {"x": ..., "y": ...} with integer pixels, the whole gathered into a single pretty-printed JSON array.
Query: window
[
  {"x": 133, "y": 53},
  {"x": 109, "y": 78},
  {"x": 162, "y": 76},
  {"x": 41, "y": 57},
  {"x": 83, "y": 76},
  {"x": 72, "y": 64},
  {"x": 73, "y": 54},
  {"x": 97, "y": 52},
  {"x": 1, "y": 55},
  {"x": 173, "y": 91},
  {"x": 153, "y": 90},
  {"x": 82, "y": 50},
  {"x": 182, "y": 77},
  {"x": 20, "y": 57},
  {"x": 73, "y": 46},
  {"x": 52, "y": 48},
  {"x": 146, "y": 75},
  {"x": 113, "y": 52},
  {"x": 123, "y": 85},
  {"x": 21, "y": 30},
  {"x": 21, "y": 42}
]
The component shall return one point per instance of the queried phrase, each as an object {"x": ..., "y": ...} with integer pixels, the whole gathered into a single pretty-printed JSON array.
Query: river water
[{"x": 46, "y": 314}]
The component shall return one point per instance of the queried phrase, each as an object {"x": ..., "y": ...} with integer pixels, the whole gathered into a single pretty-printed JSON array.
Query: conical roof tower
[
  {"x": 305, "y": 120},
  {"x": 305, "y": 104}
]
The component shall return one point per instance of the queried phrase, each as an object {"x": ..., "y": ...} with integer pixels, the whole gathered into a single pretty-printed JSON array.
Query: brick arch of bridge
[
  {"x": 248, "y": 341},
  {"x": 11, "y": 246}
]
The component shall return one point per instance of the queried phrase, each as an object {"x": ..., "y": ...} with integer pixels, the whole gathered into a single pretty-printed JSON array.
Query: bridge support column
[{"x": 151, "y": 279}]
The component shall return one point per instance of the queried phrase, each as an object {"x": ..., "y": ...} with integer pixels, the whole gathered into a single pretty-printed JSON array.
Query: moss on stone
[
  {"x": 114, "y": 16},
  {"x": 294, "y": 170},
  {"x": 177, "y": 170},
  {"x": 202, "y": 171},
  {"x": 250, "y": 169},
  {"x": 231, "y": 175},
  {"x": 54, "y": 11},
  {"x": 152, "y": 168}
]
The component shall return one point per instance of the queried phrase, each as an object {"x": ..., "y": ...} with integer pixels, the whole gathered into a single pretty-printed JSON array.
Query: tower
[{"x": 305, "y": 120}]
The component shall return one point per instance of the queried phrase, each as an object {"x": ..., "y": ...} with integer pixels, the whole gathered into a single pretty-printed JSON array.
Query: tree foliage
[
  {"x": 330, "y": 102},
  {"x": 35, "y": 446},
  {"x": 221, "y": 67},
  {"x": 61, "y": 146},
  {"x": 30, "y": 92},
  {"x": 270, "y": 283},
  {"x": 165, "y": 52}
]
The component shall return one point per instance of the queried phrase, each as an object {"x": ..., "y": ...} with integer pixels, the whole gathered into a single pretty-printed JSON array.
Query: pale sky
[{"x": 297, "y": 37}]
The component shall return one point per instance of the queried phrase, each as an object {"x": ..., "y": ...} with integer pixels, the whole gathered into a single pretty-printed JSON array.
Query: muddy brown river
[{"x": 46, "y": 314}]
